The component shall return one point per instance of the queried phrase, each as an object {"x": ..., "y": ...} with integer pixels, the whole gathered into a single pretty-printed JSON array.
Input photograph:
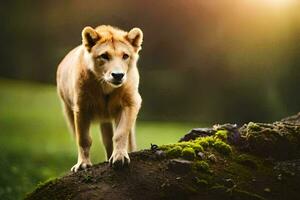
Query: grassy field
[{"x": 34, "y": 140}]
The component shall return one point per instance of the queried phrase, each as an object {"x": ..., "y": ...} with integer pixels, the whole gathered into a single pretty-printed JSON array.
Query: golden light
[{"x": 279, "y": 3}]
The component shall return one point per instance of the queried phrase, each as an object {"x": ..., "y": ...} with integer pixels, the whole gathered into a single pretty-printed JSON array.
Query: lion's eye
[
  {"x": 125, "y": 56},
  {"x": 104, "y": 56}
]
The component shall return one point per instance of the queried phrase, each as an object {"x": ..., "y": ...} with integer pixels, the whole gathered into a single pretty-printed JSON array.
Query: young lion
[{"x": 99, "y": 80}]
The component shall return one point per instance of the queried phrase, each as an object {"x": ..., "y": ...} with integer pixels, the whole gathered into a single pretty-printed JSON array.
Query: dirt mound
[{"x": 223, "y": 162}]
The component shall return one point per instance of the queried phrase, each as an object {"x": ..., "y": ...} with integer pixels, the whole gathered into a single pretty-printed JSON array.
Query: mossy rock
[
  {"x": 188, "y": 153},
  {"x": 222, "y": 147},
  {"x": 244, "y": 175},
  {"x": 174, "y": 152},
  {"x": 222, "y": 134},
  {"x": 201, "y": 166},
  {"x": 253, "y": 127},
  {"x": 189, "y": 149},
  {"x": 279, "y": 140},
  {"x": 186, "y": 150},
  {"x": 203, "y": 143}
]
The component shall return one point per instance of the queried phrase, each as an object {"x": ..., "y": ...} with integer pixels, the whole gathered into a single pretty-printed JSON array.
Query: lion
[{"x": 98, "y": 82}]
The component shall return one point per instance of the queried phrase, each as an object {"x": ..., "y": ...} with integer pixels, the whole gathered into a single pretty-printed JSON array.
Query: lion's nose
[{"x": 117, "y": 76}]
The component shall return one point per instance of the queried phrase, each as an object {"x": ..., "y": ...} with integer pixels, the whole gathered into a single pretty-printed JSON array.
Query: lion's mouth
[{"x": 116, "y": 83}]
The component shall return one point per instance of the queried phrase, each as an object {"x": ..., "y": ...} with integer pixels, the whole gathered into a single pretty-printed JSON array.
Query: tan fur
[{"x": 88, "y": 91}]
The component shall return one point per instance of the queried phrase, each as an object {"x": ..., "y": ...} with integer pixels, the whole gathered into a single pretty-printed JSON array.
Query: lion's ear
[
  {"x": 135, "y": 37},
  {"x": 89, "y": 37}
]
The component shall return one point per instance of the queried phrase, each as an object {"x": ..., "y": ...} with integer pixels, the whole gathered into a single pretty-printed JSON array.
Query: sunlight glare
[{"x": 280, "y": 3}]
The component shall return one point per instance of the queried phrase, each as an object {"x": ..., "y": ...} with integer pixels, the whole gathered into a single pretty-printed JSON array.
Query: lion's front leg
[
  {"x": 83, "y": 139},
  {"x": 124, "y": 124}
]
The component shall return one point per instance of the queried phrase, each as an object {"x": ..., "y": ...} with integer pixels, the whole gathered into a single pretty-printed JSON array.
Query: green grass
[{"x": 34, "y": 141}]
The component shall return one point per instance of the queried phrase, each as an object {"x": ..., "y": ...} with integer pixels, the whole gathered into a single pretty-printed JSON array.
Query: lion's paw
[
  {"x": 119, "y": 159},
  {"x": 81, "y": 165}
]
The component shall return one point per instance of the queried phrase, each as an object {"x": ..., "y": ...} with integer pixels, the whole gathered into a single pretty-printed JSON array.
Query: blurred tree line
[{"x": 204, "y": 61}]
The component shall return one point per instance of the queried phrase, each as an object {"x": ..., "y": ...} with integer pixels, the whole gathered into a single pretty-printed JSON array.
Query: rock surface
[{"x": 264, "y": 163}]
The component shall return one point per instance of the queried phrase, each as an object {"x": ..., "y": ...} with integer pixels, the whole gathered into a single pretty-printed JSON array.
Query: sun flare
[{"x": 279, "y": 3}]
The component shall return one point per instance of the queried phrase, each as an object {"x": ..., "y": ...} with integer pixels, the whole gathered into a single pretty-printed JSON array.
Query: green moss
[
  {"x": 166, "y": 147},
  {"x": 201, "y": 182},
  {"x": 253, "y": 126},
  {"x": 184, "y": 144},
  {"x": 210, "y": 140},
  {"x": 221, "y": 134},
  {"x": 188, "y": 153},
  {"x": 203, "y": 143},
  {"x": 247, "y": 160},
  {"x": 201, "y": 166},
  {"x": 191, "y": 144},
  {"x": 198, "y": 147},
  {"x": 189, "y": 149},
  {"x": 277, "y": 140},
  {"x": 192, "y": 147},
  {"x": 174, "y": 152},
  {"x": 222, "y": 147},
  {"x": 186, "y": 149}
]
